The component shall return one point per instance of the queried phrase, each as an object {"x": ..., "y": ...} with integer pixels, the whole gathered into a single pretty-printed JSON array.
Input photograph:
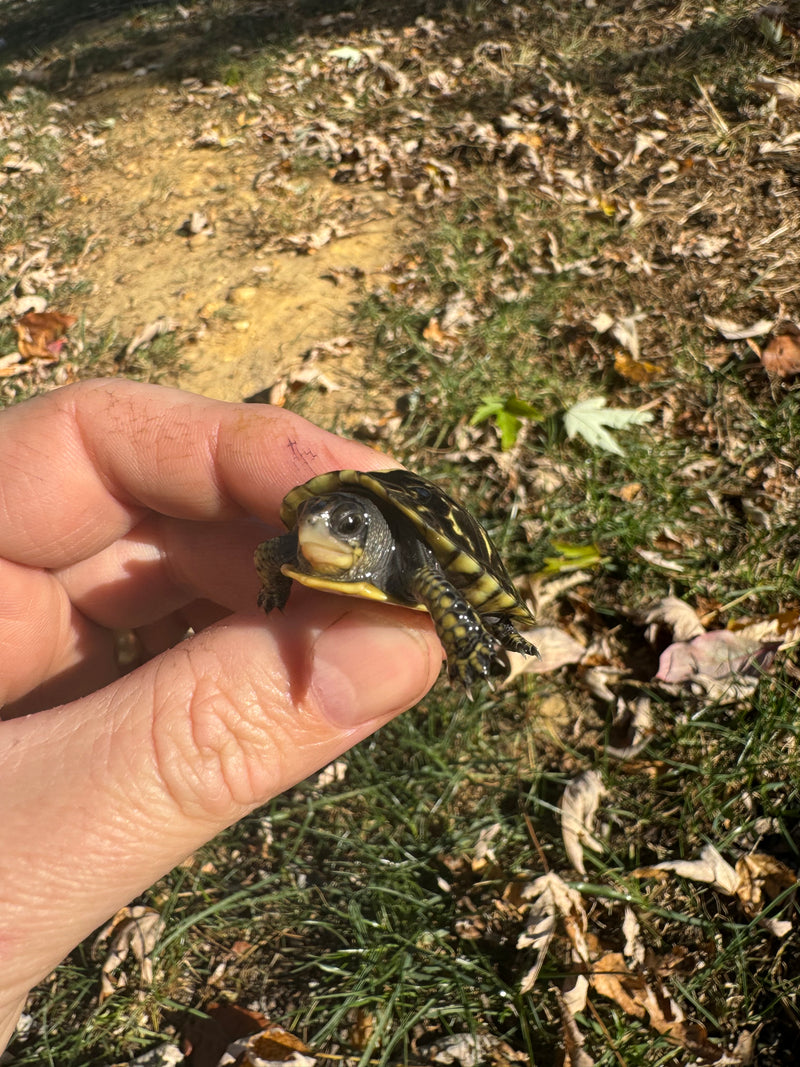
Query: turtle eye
[{"x": 347, "y": 521}]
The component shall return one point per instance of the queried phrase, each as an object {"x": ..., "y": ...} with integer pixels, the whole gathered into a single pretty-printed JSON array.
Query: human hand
[{"x": 126, "y": 506}]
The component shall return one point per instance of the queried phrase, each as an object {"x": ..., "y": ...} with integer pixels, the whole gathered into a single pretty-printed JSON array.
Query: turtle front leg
[
  {"x": 269, "y": 558},
  {"x": 472, "y": 652}
]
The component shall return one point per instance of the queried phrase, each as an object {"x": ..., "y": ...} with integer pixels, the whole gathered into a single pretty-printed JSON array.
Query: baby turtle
[{"x": 395, "y": 537}]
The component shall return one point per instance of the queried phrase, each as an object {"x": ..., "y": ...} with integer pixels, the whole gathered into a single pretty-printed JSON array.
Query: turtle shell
[{"x": 459, "y": 543}]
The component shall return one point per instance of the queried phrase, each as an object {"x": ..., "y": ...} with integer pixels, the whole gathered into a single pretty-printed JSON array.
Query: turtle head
[{"x": 342, "y": 536}]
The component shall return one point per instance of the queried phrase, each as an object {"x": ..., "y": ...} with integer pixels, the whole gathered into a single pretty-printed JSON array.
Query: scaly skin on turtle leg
[
  {"x": 509, "y": 638},
  {"x": 269, "y": 558},
  {"x": 472, "y": 652}
]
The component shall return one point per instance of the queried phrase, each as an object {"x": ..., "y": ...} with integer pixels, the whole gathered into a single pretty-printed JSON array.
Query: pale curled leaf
[
  {"x": 550, "y": 899},
  {"x": 658, "y": 559},
  {"x": 149, "y": 333},
  {"x": 569, "y": 1005},
  {"x": 631, "y": 729},
  {"x": 134, "y": 930},
  {"x": 734, "y": 331},
  {"x": 539, "y": 930},
  {"x": 680, "y": 617},
  {"x": 334, "y": 772},
  {"x": 556, "y": 649},
  {"x": 484, "y": 854},
  {"x": 781, "y": 630},
  {"x": 710, "y": 868},
  {"x": 579, "y": 805},
  {"x": 626, "y": 332},
  {"x": 722, "y": 663},
  {"x": 575, "y": 992},
  {"x": 471, "y": 1050},
  {"x": 591, "y": 420},
  {"x": 783, "y": 88},
  {"x": 164, "y": 1055},
  {"x": 634, "y": 946}
]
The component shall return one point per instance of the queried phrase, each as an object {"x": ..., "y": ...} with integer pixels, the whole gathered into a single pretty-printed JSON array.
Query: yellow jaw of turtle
[{"x": 324, "y": 553}]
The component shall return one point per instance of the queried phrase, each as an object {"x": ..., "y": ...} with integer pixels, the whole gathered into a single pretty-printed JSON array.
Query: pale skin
[{"x": 126, "y": 506}]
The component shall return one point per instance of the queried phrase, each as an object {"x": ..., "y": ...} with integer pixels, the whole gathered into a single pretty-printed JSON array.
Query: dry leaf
[
  {"x": 270, "y": 1047},
  {"x": 680, "y": 617},
  {"x": 783, "y": 88},
  {"x": 782, "y": 629},
  {"x": 436, "y": 336},
  {"x": 626, "y": 332},
  {"x": 733, "y": 331},
  {"x": 710, "y": 868},
  {"x": 149, "y": 333},
  {"x": 360, "y": 1028},
  {"x": 556, "y": 649},
  {"x": 631, "y": 729},
  {"x": 484, "y": 854},
  {"x": 634, "y": 946},
  {"x": 134, "y": 930},
  {"x": 755, "y": 877},
  {"x": 723, "y": 664},
  {"x": 633, "y": 370},
  {"x": 628, "y": 492},
  {"x": 551, "y": 898},
  {"x": 579, "y": 805},
  {"x": 610, "y": 977},
  {"x": 762, "y": 878},
  {"x": 658, "y": 559},
  {"x": 471, "y": 1050},
  {"x": 41, "y": 333},
  {"x": 781, "y": 354},
  {"x": 573, "y": 1038}
]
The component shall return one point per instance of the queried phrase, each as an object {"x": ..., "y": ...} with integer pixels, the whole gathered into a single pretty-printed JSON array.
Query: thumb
[{"x": 104, "y": 795}]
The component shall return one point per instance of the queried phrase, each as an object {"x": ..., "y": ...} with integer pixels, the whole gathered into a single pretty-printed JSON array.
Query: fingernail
[{"x": 362, "y": 671}]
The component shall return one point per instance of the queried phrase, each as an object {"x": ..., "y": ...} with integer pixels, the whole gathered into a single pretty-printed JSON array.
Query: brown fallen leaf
[
  {"x": 757, "y": 876},
  {"x": 762, "y": 876},
  {"x": 41, "y": 333},
  {"x": 648, "y": 999},
  {"x": 633, "y": 370},
  {"x": 436, "y": 336},
  {"x": 781, "y": 353}
]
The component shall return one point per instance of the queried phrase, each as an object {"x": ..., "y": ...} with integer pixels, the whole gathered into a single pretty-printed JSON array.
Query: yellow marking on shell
[
  {"x": 487, "y": 596},
  {"x": 363, "y": 590}
]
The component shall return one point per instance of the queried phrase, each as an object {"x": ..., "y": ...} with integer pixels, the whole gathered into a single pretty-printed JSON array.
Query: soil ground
[{"x": 249, "y": 313}]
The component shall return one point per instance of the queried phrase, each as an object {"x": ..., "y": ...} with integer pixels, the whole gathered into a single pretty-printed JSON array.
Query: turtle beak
[{"x": 323, "y": 552}]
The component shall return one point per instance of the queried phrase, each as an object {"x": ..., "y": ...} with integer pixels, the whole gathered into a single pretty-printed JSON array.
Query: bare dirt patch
[{"x": 209, "y": 239}]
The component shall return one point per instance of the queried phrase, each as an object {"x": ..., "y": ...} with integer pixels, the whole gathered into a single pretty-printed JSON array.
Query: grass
[{"x": 359, "y": 913}]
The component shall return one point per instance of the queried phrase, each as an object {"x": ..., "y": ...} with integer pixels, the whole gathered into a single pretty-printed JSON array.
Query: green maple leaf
[
  {"x": 508, "y": 413},
  {"x": 591, "y": 420}
]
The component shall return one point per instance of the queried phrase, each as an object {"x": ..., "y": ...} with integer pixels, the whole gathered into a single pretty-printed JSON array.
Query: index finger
[{"x": 81, "y": 465}]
